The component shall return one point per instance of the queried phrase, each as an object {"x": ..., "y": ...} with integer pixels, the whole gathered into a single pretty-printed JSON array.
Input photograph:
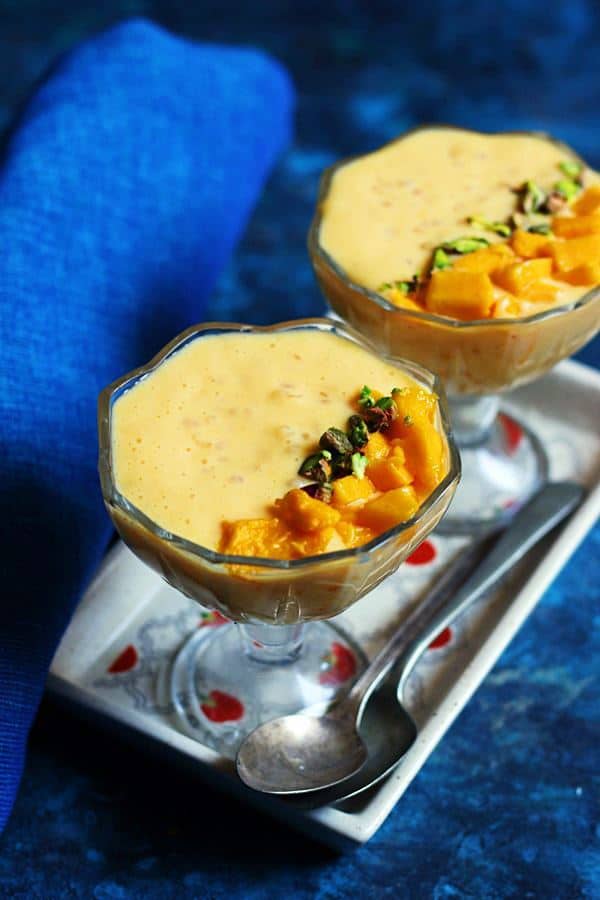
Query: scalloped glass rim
[
  {"x": 315, "y": 248},
  {"x": 114, "y": 498}
]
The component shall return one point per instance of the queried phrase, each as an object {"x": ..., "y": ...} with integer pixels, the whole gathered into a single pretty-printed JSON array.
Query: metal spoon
[{"x": 300, "y": 753}]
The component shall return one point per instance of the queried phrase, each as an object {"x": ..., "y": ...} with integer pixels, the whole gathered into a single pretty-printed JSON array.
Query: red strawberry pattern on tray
[
  {"x": 125, "y": 661},
  {"x": 423, "y": 554},
  {"x": 512, "y": 432},
  {"x": 212, "y": 619},
  {"x": 443, "y": 638},
  {"x": 340, "y": 665},
  {"x": 219, "y": 707}
]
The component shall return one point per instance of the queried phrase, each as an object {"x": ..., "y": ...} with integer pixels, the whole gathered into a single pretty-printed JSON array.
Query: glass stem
[
  {"x": 272, "y": 644},
  {"x": 472, "y": 418}
]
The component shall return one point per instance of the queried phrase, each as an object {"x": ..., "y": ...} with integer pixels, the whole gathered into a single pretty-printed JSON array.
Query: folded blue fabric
[{"x": 124, "y": 187}]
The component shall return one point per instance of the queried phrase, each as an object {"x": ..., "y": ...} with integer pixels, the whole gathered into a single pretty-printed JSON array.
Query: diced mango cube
[
  {"x": 589, "y": 201},
  {"x": 425, "y": 455},
  {"x": 377, "y": 447},
  {"x": 350, "y": 489},
  {"x": 568, "y": 255},
  {"x": 411, "y": 403},
  {"x": 353, "y": 535},
  {"x": 304, "y": 513},
  {"x": 519, "y": 276},
  {"x": 256, "y": 537},
  {"x": 528, "y": 244},
  {"x": 587, "y": 273},
  {"x": 460, "y": 295},
  {"x": 324, "y": 540},
  {"x": 397, "y": 450},
  {"x": 487, "y": 260},
  {"x": 389, "y": 509},
  {"x": 390, "y": 473},
  {"x": 576, "y": 226},
  {"x": 506, "y": 307},
  {"x": 539, "y": 292}
]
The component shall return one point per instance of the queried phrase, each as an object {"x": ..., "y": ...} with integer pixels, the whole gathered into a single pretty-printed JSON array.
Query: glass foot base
[
  {"x": 220, "y": 691},
  {"x": 499, "y": 474}
]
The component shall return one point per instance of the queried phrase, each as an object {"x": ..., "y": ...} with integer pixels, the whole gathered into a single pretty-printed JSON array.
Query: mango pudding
[
  {"x": 277, "y": 475},
  {"x": 267, "y": 444},
  {"x": 476, "y": 255}
]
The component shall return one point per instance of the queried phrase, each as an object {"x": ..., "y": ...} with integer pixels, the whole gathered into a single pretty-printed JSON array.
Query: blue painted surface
[{"x": 508, "y": 804}]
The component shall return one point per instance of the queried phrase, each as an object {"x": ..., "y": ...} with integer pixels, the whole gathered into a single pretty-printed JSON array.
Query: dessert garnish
[
  {"x": 363, "y": 480},
  {"x": 476, "y": 277}
]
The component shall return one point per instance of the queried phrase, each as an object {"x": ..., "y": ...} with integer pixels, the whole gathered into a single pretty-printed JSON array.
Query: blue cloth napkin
[{"x": 124, "y": 187}]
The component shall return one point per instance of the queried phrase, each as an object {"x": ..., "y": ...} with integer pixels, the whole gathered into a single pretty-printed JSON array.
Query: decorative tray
[{"x": 116, "y": 653}]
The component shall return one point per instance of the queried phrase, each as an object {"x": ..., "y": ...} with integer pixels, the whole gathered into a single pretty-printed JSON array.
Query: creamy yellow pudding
[
  {"x": 469, "y": 228},
  {"x": 207, "y": 445},
  {"x": 218, "y": 432}
]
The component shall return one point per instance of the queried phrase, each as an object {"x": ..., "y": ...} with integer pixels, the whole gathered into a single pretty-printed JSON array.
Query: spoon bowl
[{"x": 299, "y": 753}]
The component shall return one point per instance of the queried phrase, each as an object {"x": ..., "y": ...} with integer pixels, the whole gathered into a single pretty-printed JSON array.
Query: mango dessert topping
[
  {"x": 551, "y": 239},
  {"x": 364, "y": 480}
]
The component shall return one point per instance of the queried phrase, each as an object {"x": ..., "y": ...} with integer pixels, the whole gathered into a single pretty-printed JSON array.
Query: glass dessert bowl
[
  {"x": 280, "y": 655},
  {"x": 416, "y": 206}
]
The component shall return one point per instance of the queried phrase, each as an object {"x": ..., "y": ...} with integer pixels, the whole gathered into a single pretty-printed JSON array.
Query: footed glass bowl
[
  {"x": 503, "y": 461},
  {"x": 268, "y": 663}
]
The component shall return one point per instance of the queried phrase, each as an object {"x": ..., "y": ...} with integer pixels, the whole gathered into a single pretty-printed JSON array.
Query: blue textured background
[{"x": 508, "y": 806}]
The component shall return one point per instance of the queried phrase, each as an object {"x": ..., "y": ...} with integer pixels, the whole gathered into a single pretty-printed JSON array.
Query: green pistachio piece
[
  {"x": 317, "y": 467},
  {"x": 532, "y": 197},
  {"x": 465, "y": 245},
  {"x": 321, "y": 492},
  {"x": 359, "y": 465},
  {"x": 571, "y": 169},
  {"x": 542, "y": 228},
  {"x": 358, "y": 431},
  {"x": 495, "y": 227},
  {"x": 334, "y": 440},
  {"x": 569, "y": 189},
  {"x": 366, "y": 397},
  {"x": 441, "y": 260}
]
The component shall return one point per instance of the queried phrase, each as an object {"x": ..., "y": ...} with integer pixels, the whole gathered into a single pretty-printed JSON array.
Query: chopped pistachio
[
  {"x": 407, "y": 286},
  {"x": 336, "y": 441},
  {"x": 342, "y": 466},
  {"x": 465, "y": 244},
  {"x": 532, "y": 197},
  {"x": 385, "y": 403},
  {"x": 569, "y": 189},
  {"x": 376, "y": 418},
  {"x": 542, "y": 228},
  {"x": 380, "y": 417},
  {"x": 358, "y": 431},
  {"x": 321, "y": 492},
  {"x": 500, "y": 228},
  {"x": 398, "y": 391},
  {"x": 317, "y": 467},
  {"x": 359, "y": 465},
  {"x": 571, "y": 169},
  {"x": 527, "y": 223},
  {"x": 441, "y": 260},
  {"x": 408, "y": 420},
  {"x": 366, "y": 397}
]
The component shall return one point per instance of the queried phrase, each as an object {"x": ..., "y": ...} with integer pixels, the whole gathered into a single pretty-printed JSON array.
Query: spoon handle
[{"x": 539, "y": 516}]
